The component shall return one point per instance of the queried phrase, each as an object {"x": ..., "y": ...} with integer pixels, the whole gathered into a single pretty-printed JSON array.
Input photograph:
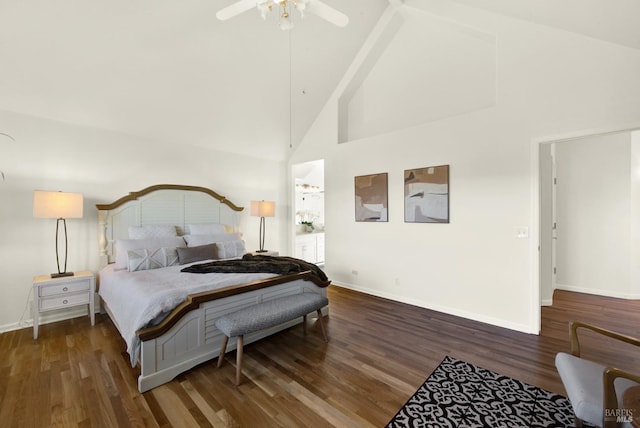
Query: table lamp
[
  {"x": 263, "y": 209},
  {"x": 61, "y": 206}
]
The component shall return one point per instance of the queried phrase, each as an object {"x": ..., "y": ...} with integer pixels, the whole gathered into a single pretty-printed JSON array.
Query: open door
[{"x": 547, "y": 222}]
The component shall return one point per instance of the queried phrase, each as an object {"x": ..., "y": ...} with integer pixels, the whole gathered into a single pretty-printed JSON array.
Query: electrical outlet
[{"x": 354, "y": 272}]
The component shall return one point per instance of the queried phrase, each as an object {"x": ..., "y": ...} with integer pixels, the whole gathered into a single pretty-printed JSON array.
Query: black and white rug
[{"x": 459, "y": 394}]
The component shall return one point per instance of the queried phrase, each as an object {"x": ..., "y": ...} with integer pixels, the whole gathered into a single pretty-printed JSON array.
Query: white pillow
[
  {"x": 145, "y": 259},
  {"x": 197, "y": 240},
  {"x": 151, "y": 232},
  {"x": 122, "y": 246},
  {"x": 206, "y": 229},
  {"x": 231, "y": 249}
]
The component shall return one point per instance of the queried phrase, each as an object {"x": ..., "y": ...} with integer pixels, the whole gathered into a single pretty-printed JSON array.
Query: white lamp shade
[
  {"x": 48, "y": 204},
  {"x": 263, "y": 208}
]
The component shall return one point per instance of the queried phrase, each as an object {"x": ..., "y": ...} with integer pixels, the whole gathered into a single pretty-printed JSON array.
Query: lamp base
[
  {"x": 262, "y": 251},
  {"x": 61, "y": 274}
]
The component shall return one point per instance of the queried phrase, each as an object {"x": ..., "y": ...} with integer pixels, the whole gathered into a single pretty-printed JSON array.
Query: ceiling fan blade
[
  {"x": 325, "y": 11},
  {"x": 235, "y": 9}
]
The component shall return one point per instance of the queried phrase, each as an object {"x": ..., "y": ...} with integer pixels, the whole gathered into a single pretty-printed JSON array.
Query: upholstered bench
[{"x": 265, "y": 315}]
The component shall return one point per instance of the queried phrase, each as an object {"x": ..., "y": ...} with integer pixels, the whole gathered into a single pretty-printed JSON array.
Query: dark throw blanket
[{"x": 258, "y": 264}]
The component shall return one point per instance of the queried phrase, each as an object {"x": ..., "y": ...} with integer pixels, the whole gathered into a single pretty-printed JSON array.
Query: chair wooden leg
[
  {"x": 239, "y": 359},
  {"x": 321, "y": 321},
  {"x": 223, "y": 349}
]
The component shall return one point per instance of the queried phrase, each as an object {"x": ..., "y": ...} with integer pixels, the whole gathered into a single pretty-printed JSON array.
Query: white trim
[
  {"x": 598, "y": 292},
  {"x": 567, "y": 136},
  {"x": 534, "y": 243},
  {"x": 438, "y": 308},
  {"x": 535, "y": 207},
  {"x": 48, "y": 318}
]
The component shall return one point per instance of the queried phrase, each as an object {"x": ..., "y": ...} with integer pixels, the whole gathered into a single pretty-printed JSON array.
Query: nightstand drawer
[
  {"x": 61, "y": 293},
  {"x": 61, "y": 289},
  {"x": 58, "y": 302}
]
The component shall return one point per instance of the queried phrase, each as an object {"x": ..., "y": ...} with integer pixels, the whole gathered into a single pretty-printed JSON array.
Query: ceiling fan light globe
[
  {"x": 263, "y": 8},
  {"x": 301, "y": 8},
  {"x": 285, "y": 24}
]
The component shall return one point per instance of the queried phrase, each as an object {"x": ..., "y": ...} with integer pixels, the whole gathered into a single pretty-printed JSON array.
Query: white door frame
[{"x": 535, "y": 206}]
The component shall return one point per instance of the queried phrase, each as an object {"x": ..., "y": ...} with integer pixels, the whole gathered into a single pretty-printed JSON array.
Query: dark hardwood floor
[{"x": 378, "y": 354}]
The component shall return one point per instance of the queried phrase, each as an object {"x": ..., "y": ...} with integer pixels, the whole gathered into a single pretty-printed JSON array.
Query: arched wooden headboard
[{"x": 171, "y": 204}]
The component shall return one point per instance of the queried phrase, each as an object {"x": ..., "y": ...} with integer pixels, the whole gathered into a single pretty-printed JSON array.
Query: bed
[{"x": 164, "y": 313}]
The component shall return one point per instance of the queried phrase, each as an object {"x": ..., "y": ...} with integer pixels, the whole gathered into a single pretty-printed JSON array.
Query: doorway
[
  {"x": 589, "y": 215},
  {"x": 309, "y": 228}
]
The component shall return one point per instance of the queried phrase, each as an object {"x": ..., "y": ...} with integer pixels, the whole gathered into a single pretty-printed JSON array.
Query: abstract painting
[
  {"x": 426, "y": 195},
  {"x": 371, "y": 194}
]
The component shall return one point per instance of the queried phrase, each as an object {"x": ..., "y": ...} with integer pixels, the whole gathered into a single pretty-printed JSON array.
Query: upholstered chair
[{"x": 595, "y": 390}]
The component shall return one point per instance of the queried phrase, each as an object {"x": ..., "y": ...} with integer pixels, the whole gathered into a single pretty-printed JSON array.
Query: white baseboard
[
  {"x": 46, "y": 318},
  {"x": 597, "y": 291},
  {"x": 50, "y": 317},
  {"x": 444, "y": 309}
]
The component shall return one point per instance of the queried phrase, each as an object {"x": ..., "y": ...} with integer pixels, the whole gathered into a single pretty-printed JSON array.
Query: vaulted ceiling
[
  {"x": 168, "y": 70},
  {"x": 612, "y": 21}
]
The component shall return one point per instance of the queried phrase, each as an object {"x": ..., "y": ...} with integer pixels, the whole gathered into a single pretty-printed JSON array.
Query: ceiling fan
[{"x": 316, "y": 7}]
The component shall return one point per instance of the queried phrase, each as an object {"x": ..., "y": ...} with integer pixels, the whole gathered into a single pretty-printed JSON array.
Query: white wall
[
  {"x": 593, "y": 215},
  {"x": 548, "y": 82},
  {"x": 104, "y": 166}
]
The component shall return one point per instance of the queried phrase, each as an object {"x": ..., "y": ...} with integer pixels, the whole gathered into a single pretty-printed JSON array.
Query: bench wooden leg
[
  {"x": 223, "y": 349},
  {"x": 239, "y": 359},
  {"x": 304, "y": 324},
  {"x": 321, "y": 321}
]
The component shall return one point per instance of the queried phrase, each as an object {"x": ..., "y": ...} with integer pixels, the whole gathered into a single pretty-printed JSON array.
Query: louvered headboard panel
[{"x": 171, "y": 204}]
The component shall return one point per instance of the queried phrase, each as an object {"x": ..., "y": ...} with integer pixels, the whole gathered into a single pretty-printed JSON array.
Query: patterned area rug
[{"x": 459, "y": 394}]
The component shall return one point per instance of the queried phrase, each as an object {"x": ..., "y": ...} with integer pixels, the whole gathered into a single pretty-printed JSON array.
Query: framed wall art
[
  {"x": 426, "y": 195},
  {"x": 371, "y": 194}
]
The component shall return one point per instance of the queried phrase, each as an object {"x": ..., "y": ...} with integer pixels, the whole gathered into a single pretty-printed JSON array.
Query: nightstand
[
  {"x": 265, "y": 253},
  {"x": 65, "y": 292}
]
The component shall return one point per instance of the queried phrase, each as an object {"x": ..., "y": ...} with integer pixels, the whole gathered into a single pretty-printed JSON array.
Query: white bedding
[{"x": 135, "y": 299}]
